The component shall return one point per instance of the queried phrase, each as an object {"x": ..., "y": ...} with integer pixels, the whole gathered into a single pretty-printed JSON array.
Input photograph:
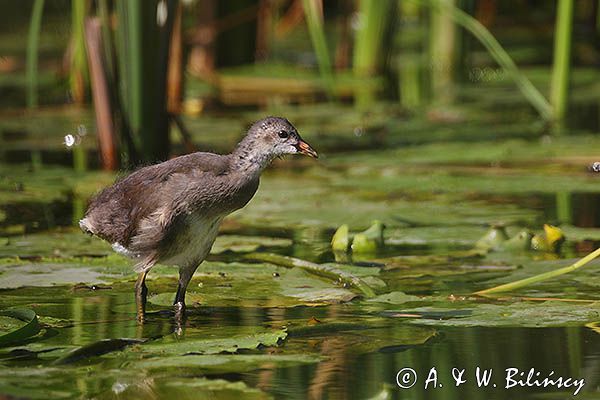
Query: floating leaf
[
  {"x": 47, "y": 274},
  {"x": 521, "y": 314},
  {"x": 17, "y": 325},
  {"x": 257, "y": 285},
  {"x": 215, "y": 345},
  {"x": 394, "y": 298},
  {"x": 247, "y": 244}
]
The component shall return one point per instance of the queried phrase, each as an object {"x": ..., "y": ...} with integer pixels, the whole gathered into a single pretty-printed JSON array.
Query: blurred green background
[
  {"x": 151, "y": 70},
  {"x": 449, "y": 122}
]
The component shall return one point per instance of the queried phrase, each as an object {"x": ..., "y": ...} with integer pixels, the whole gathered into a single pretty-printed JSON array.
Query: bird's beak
[{"x": 304, "y": 148}]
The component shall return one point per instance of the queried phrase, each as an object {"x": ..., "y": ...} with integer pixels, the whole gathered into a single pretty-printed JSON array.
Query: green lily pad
[
  {"x": 520, "y": 314},
  {"x": 246, "y": 244},
  {"x": 17, "y": 325},
  {"x": 57, "y": 244},
  {"x": 257, "y": 285},
  {"x": 214, "y": 344},
  {"x": 47, "y": 274},
  {"x": 394, "y": 298}
]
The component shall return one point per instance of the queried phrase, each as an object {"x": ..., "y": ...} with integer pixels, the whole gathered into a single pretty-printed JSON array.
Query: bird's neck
[{"x": 249, "y": 162}]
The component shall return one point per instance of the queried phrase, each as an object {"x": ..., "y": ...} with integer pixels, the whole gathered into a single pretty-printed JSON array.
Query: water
[{"x": 258, "y": 330}]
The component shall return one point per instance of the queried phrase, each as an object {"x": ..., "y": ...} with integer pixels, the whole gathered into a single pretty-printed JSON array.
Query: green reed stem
[
  {"x": 78, "y": 78},
  {"x": 323, "y": 271},
  {"x": 33, "y": 40},
  {"x": 541, "y": 277},
  {"x": 316, "y": 30},
  {"x": 529, "y": 91},
  {"x": 559, "y": 91},
  {"x": 374, "y": 17}
]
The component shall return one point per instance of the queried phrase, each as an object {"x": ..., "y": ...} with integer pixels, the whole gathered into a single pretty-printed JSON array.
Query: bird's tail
[{"x": 85, "y": 226}]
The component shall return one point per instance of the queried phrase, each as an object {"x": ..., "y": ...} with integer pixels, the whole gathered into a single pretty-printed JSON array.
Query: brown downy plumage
[{"x": 169, "y": 213}]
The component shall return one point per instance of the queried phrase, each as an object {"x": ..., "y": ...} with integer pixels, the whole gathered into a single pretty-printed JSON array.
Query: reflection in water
[
  {"x": 346, "y": 370},
  {"x": 577, "y": 209},
  {"x": 362, "y": 376}
]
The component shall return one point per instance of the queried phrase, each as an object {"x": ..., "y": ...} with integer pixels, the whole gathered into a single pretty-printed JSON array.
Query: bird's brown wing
[{"x": 129, "y": 207}]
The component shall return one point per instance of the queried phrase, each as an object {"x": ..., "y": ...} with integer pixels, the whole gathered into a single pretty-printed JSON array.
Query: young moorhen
[{"x": 169, "y": 213}]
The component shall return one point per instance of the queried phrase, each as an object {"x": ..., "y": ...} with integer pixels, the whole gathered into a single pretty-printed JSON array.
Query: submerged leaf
[
  {"x": 96, "y": 349},
  {"x": 224, "y": 363},
  {"x": 182, "y": 388}
]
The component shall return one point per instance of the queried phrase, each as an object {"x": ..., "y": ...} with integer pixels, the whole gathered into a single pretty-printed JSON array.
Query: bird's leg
[
  {"x": 141, "y": 292},
  {"x": 185, "y": 275}
]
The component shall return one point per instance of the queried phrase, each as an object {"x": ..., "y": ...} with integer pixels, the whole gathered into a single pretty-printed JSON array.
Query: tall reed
[
  {"x": 442, "y": 54},
  {"x": 33, "y": 39},
  {"x": 142, "y": 42},
  {"x": 78, "y": 77},
  {"x": 313, "y": 10},
  {"x": 559, "y": 91},
  {"x": 529, "y": 91},
  {"x": 374, "y": 17}
]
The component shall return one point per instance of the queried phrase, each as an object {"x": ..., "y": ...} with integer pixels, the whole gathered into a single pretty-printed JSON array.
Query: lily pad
[
  {"x": 394, "y": 298},
  {"x": 214, "y": 344},
  {"x": 520, "y": 314},
  {"x": 247, "y": 244},
  {"x": 57, "y": 244},
  {"x": 17, "y": 325},
  {"x": 47, "y": 274},
  {"x": 257, "y": 285}
]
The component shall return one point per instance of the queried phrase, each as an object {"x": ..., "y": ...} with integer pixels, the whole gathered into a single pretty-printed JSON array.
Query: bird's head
[{"x": 273, "y": 137}]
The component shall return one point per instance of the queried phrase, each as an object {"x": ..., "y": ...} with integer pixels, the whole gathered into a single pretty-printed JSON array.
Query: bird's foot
[{"x": 179, "y": 317}]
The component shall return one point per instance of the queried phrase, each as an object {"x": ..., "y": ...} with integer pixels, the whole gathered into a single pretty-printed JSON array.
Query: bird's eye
[{"x": 284, "y": 134}]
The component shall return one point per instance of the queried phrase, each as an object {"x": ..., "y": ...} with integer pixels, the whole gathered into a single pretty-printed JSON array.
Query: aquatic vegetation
[
  {"x": 254, "y": 308},
  {"x": 17, "y": 325},
  {"x": 497, "y": 239},
  {"x": 550, "y": 240},
  {"x": 367, "y": 241},
  {"x": 304, "y": 295}
]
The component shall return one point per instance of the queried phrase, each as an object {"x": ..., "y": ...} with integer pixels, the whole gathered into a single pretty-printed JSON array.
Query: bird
[{"x": 169, "y": 213}]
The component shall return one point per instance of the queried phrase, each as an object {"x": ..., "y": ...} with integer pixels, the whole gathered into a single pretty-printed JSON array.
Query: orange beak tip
[{"x": 304, "y": 148}]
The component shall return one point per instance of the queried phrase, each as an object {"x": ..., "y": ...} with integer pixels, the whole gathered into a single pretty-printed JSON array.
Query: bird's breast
[
  {"x": 241, "y": 194},
  {"x": 191, "y": 240}
]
